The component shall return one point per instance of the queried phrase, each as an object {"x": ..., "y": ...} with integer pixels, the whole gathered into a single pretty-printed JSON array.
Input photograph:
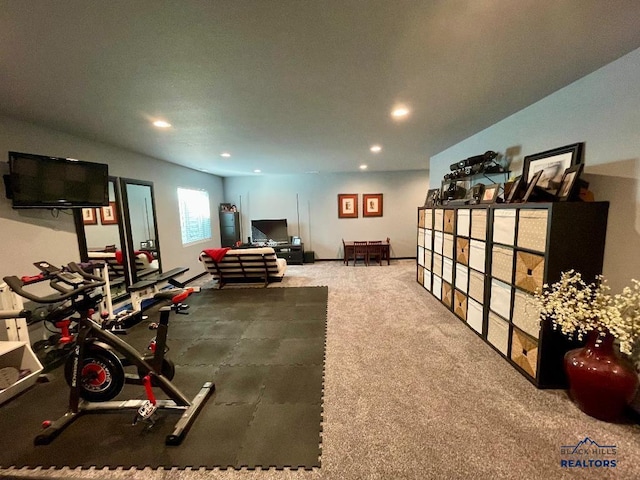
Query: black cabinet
[
  {"x": 293, "y": 254},
  {"x": 229, "y": 228},
  {"x": 485, "y": 263}
]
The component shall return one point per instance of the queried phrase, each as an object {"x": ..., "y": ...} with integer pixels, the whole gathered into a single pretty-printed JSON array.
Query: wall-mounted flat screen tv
[
  {"x": 268, "y": 231},
  {"x": 38, "y": 181}
]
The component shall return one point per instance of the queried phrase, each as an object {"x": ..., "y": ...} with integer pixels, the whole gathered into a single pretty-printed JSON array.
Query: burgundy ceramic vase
[{"x": 600, "y": 382}]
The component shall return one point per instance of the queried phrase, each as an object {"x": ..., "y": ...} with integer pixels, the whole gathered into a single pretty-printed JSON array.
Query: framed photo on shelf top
[
  {"x": 552, "y": 164},
  {"x": 490, "y": 193},
  {"x": 433, "y": 196},
  {"x": 108, "y": 214},
  {"x": 569, "y": 184},
  {"x": 89, "y": 216},
  {"x": 532, "y": 185},
  {"x": 347, "y": 205},
  {"x": 516, "y": 190},
  {"x": 372, "y": 205}
]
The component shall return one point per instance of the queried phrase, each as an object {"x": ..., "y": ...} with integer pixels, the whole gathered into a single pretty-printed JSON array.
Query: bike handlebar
[{"x": 88, "y": 282}]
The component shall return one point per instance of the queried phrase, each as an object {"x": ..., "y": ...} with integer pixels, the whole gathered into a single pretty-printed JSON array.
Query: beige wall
[
  {"x": 31, "y": 235},
  {"x": 602, "y": 110},
  {"x": 313, "y": 200}
]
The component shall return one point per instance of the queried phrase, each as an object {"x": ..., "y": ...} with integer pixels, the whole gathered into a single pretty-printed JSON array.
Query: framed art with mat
[{"x": 552, "y": 164}]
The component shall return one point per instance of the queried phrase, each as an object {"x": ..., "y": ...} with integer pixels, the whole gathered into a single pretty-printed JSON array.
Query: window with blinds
[{"x": 195, "y": 215}]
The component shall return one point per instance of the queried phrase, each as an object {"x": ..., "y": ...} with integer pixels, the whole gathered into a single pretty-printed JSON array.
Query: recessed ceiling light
[
  {"x": 375, "y": 148},
  {"x": 225, "y": 154},
  {"x": 400, "y": 111},
  {"x": 257, "y": 171},
  {"x": 161, "y": 124},
  {"x": 363, "y": 167}
]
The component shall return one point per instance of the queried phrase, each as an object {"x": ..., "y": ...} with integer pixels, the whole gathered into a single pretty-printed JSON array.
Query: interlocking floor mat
[{"x": 263, "y": 349}]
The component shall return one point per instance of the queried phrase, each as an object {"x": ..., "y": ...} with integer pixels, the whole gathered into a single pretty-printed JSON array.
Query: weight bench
[{"x": 147, "y": 289}]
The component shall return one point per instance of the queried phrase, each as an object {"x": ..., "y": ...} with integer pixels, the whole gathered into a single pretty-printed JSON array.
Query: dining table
[{"x": 348, "y": 247}]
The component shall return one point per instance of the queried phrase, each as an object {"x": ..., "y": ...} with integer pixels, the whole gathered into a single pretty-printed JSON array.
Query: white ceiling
[{"x": 292, "y": 86}]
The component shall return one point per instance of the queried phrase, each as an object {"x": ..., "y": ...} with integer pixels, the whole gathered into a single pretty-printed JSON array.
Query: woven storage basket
[
  {"x": 460, "y": 304},
  {"x": 529, "y": 271},
  {"x": 462, "y": 250},
  {"x": 447, "y": 294},
  {"x": 524, "y": 351},
  {"x": 449, "y": 221}
]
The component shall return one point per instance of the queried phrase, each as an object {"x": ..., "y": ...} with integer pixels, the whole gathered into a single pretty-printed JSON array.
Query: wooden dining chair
[
  {"x": 386, "y": 252},
  {"x": 375, "y": 251},
  {"x": 360, "y": 250},
  {"x": 345, "y": 254}
]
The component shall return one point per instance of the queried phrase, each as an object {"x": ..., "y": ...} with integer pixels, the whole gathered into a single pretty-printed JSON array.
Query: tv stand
[{"x": 293, "y": 254}]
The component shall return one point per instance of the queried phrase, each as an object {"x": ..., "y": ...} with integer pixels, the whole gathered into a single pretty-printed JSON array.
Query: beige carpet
[{"x": 411, "y": 392}]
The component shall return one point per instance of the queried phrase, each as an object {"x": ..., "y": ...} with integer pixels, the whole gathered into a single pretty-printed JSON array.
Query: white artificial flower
[{"x": 576, "y": 309}]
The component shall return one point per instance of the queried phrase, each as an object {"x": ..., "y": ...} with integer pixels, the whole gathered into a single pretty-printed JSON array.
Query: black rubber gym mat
[{"x": 263, "y": 349}]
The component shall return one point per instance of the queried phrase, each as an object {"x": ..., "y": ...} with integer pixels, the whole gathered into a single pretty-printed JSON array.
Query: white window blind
[{"x": 195, "y": 215}]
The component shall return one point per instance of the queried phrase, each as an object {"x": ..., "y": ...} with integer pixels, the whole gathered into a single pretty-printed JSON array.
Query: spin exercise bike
[{"x": 95, "y": 367}]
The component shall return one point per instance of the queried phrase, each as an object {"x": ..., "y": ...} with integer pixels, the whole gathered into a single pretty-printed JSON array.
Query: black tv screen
[
  {"x": 266, "y": 231},
  {"x": 38, "y": 181}
]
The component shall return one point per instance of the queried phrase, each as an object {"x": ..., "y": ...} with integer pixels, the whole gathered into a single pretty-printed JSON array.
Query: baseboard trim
[{"x": 340, "y": 259}]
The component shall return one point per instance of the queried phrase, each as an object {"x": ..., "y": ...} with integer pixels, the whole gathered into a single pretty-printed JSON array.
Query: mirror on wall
[
  {"x": 101, "y": 237},
  {"x": 141, "y": 228}
]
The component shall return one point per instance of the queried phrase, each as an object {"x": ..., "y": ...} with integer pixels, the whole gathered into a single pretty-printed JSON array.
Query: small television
[
  {"x": 38, "y": 181},
  {"x": 269, "y": 231}
]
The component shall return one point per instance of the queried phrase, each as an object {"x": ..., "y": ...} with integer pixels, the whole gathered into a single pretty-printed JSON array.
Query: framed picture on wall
[
  {"x": 372, "y": 205},
  {"x": 552, "y": 164},
  {"x": 89, "y": 216},
  {"x": 347, "y": 205},
  {"x": 108, "y": 214}
]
